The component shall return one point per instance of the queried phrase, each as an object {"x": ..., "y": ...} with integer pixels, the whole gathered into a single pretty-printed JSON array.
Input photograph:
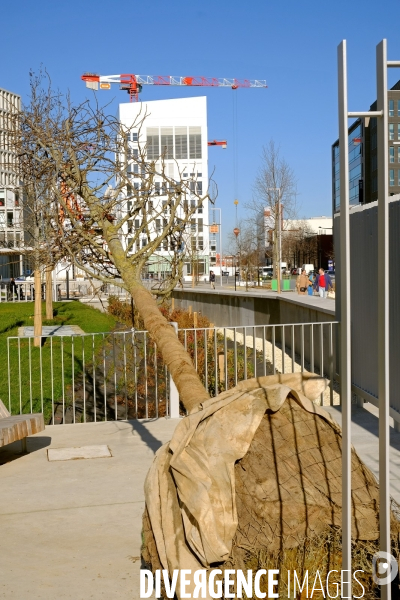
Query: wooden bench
[{"x": 18, "y": 427}]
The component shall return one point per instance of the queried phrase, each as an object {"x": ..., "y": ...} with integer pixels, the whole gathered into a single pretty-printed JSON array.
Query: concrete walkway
[{"x": 72, "y": 529}]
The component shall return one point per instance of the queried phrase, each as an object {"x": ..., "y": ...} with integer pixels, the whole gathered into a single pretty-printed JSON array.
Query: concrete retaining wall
[{"x": 240, "y": 309}]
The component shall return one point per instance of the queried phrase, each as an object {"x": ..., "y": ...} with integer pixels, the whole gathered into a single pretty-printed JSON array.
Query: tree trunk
[
  {"x": 178, "y": 361},
  {"x": 37, "y": 319},
  {"x": 49, "y": 293}
]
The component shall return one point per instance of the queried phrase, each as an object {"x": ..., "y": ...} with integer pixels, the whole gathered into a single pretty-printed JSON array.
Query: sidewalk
[{"x": 72, "y": 529}]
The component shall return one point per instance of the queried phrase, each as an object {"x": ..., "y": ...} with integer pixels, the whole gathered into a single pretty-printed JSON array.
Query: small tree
[
  {"x": 75, "y": 162},
  {"x": 274, "y": 193}
]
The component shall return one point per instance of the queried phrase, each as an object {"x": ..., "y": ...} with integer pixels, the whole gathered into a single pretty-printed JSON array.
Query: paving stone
[
  {"x": 51, "y": 330},
  {"x": 98, "y": 451}
]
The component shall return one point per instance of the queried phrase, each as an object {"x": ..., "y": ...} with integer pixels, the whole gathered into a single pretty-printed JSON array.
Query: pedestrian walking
[
  {"x": 322, "y": 283},
  {"x": 13, "y": 289},
  {"x": 302, "y": 283},
  {"x": 310, "y": 289},
  {"x": 212, "y": 279}
]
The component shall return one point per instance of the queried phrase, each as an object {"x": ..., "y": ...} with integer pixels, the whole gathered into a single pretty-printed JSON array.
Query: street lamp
[
  {"x": 279, "y": 236},
  {"x": 219, "y": 229}
]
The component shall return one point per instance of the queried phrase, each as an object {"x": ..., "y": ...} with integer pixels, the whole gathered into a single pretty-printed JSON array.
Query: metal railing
[{"x": 121, "y": 375}]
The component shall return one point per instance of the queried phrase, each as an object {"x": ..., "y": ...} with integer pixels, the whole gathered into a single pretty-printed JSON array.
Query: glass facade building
[
  {"x": 363, "y": 163},
  {"x": 356, "y": 167}
]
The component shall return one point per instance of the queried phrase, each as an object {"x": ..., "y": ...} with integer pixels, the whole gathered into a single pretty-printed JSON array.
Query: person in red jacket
[{"x": 322, "y": 283}]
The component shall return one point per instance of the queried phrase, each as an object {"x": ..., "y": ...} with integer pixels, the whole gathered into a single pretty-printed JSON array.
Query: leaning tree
[
  {"x": 252, "y": 478},
  {"x": 75, "y": 163}
]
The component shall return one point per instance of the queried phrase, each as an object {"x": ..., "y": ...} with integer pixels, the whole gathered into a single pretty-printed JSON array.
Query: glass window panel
[
  {"x": 391, "y": 177},
  {"x": 398, "y": 131},
  {"x": 398, "y": 154},
  {"x": 181, "y": 143},
  {"x": 398, "y": 108},
  {"x": 391, "y": 131},
  {"x": 153, "y": 143},
  {"x": 167, "y": 142},
  {"x": 398, "y": 177},
  {"x": 391, "y": 154},
  {"x": 195, "y": 142},
  {"x": 391, "y": 108}
]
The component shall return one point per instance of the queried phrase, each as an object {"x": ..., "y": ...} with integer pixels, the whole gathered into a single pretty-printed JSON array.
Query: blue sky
[{"x": 290, "y": 44}]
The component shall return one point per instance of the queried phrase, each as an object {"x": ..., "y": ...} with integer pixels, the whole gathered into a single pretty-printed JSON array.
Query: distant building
[
  {"x": 178, "y": 129},
  {"x": 11, "y": 222},
  {"x": 302, "y": 240},
  {"x": 363, "y": 167}
]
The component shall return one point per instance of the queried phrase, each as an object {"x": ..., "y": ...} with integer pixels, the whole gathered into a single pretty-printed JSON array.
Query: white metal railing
[
  {"x": 121, "y": 375},
  {"x": 24, "y": 291}
]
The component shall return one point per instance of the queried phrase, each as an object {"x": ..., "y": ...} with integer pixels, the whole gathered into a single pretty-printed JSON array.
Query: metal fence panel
[{"x": 121, "y": 375}]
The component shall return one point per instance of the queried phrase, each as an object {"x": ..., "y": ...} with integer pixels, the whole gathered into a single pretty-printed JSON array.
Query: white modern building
[
  {"x": 176, "y": 129},
  {"x": 313, "y": 225},
  {"x": 11, "y": 223}
]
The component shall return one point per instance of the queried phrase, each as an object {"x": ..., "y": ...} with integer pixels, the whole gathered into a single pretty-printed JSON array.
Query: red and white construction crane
[{"x": 133, "y": 83}]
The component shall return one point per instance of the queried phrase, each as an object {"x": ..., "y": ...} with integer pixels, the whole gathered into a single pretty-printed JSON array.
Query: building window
[
  {"x": 398, "y": 154},
  {"x": 167, "y": 142},
  {"x": 200, "y": 224},
  {"x": 391, "y": 131},
  {"x": 195, "y": 142},
  {"x": 398, "y": 108},
  {"x": 152, "y": 143},
  {"x": 391, "y": 177},
  {"x": 181, "y": 146},
  {"x": 391, "y": 154},
  {"x": 201, "y": 243},
  {"x": 398, "y": 131},
  {"x": 134, "y": 137},
  {"x": 391, "y": 108},
  {"x": 398, "y": 177}
]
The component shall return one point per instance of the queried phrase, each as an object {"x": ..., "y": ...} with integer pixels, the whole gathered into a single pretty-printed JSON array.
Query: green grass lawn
[{"x": 26, "y": 386}]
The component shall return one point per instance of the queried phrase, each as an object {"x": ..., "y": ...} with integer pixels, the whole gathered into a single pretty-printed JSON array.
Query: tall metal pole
[
  {"x": 220, "y": 240},
  {"x": 383, "y": 304},
  {"x": 345, "y": 316}
]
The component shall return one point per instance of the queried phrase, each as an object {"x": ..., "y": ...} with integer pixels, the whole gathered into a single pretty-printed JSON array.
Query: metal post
[
  {"x": 67, "y": 283},
  {"x": 383, "y": 304},
  {"x": 173, "y": 391},
  {"x": 220, "y": 240},
  {"x": 280, "y": 239},
  {"x": 345, "y": 316}
]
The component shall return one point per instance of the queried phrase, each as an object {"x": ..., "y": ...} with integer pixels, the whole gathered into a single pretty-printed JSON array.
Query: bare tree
[
  {"x": 298, "y": 243},
  {"x": 274, "y": 195},
  {"x": 246, "y": 248},
  {"x": 76, "y": 165}
]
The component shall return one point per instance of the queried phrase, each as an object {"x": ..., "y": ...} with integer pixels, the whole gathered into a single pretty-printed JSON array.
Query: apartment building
[
  {"x": 11, "y": 221},
  {"x": 176, "y": 129}
]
